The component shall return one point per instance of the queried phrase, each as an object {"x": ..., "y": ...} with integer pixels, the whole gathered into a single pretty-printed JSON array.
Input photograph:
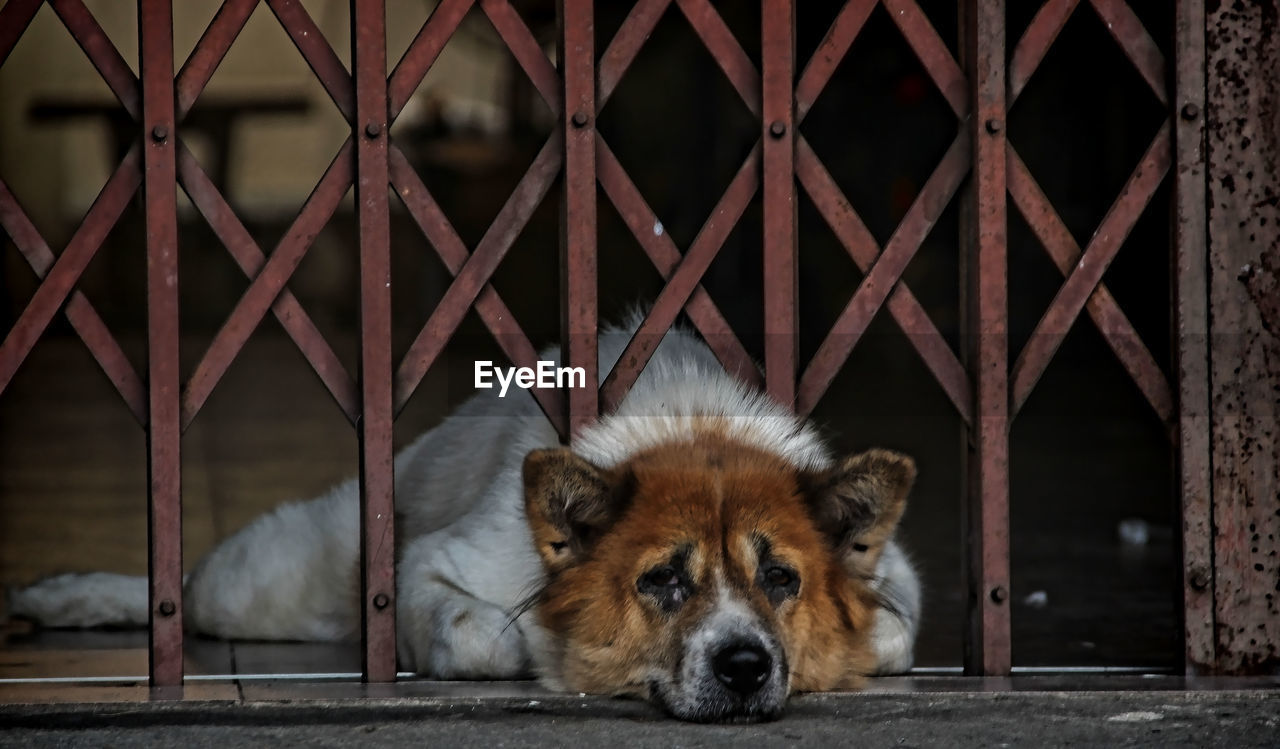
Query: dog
[{"x": 699, "y": 547}]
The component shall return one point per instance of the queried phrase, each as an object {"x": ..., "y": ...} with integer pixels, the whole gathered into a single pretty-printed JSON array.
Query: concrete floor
[{"x": 897, "y": 713}]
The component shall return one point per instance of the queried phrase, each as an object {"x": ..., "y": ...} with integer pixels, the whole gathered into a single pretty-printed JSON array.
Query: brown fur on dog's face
[{"x": 711, "y": 576}]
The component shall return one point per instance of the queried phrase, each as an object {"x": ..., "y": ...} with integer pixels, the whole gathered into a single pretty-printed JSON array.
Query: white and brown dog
[{"x": 699, "y": 547}]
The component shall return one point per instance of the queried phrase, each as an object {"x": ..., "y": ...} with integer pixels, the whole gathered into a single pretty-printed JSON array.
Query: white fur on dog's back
[
  {"x": 91, "y": 599},
  {"x": 289, "y": 575}
]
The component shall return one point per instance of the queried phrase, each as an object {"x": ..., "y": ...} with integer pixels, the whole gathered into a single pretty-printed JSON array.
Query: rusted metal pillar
[
  {"x": 164, "y": 429},
  {"x": 1191, "y": 324},
  {"x": 377, "y": 540},
  {"x": 1242, "y": 51},
  {"x": 578, "y": 289},
  {"x": 987, "y": 634},
  {"x": 781, "y": 325}
]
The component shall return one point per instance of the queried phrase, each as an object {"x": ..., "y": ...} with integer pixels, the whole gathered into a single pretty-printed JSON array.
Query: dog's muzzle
[{"x": 739, "y": 676}]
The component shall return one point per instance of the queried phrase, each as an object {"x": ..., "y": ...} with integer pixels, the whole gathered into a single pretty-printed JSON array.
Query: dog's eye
[
  {"x": 666, "y": 585},
  {"x": 779, "y": 582},
  {"x": 662, "y": 577},
  {"x": 779, "y": 577},
  {"x": 860, "y": 548}
]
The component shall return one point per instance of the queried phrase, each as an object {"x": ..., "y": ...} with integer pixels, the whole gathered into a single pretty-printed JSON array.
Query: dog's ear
[
  {"x": 858, "y": 504},
  {"x": 569, "y": 502}
]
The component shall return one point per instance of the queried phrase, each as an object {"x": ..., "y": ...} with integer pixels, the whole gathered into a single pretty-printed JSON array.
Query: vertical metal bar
[
  {"x": 966, "y": 285},
  {"x": 1242, "y": 146},
  {"x": 164, "y": 433},
  {"x": 579, "y": 308},
  {"x": 987, "y": 640},
  {"x": 781, "y": 324},
  {"x": 377, "y": 547},
  {"x": 1191, "y": 327}
]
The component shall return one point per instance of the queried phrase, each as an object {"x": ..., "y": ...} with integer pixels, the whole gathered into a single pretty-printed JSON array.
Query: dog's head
[{"x": 709, "y": 576}]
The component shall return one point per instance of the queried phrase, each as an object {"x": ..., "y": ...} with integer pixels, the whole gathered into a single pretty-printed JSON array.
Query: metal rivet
[
  {"x": 994, "y": 126},
  {"x": 1199, "y": 579},
  {"x": 1190, "y": 111},
  {"x": 381, "y": 601},
  {"x": 778, "y": 129},
  {"x": 167, "y": 608},
  {"x": 580, "y": 119},
  {"x": 999, "y": 594},
  {"x": 159, "y": 133},
  {"x": 373, "y": 130}
]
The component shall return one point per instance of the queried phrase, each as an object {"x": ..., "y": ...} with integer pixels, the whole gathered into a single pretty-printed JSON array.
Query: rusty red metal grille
[{"x": 986, "y": 387}]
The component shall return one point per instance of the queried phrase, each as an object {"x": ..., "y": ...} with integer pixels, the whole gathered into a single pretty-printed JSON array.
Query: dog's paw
[
  {"x": 477, "y": 640},
  {"x": 893, "y": 643}
]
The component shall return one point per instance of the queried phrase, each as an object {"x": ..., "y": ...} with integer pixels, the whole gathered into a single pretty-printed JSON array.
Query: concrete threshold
[{"x": 1023, "y": 711}]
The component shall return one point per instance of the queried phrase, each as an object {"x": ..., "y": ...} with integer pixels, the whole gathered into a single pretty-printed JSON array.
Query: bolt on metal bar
[
  {"x": 191, "y": 80},
  {"x": 164, "y": 429},
  {"x": 988, "y": 648},
  {"x": 471, "y": 287},
  {"x": 1191, "y": 325},
  {"x": 578, "y": 256},
  {"x": 195, "y": 74},
  {"x": 781, "y": 249},
  {"x": 377, "y": 512}
]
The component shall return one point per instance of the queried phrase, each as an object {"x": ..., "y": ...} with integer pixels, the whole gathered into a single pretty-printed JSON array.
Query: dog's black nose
[{"x": 742, "y": 668}]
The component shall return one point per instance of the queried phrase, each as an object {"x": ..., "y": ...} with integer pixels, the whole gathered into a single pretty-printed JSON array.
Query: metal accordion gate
[{"x": 984, "y": 382}]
